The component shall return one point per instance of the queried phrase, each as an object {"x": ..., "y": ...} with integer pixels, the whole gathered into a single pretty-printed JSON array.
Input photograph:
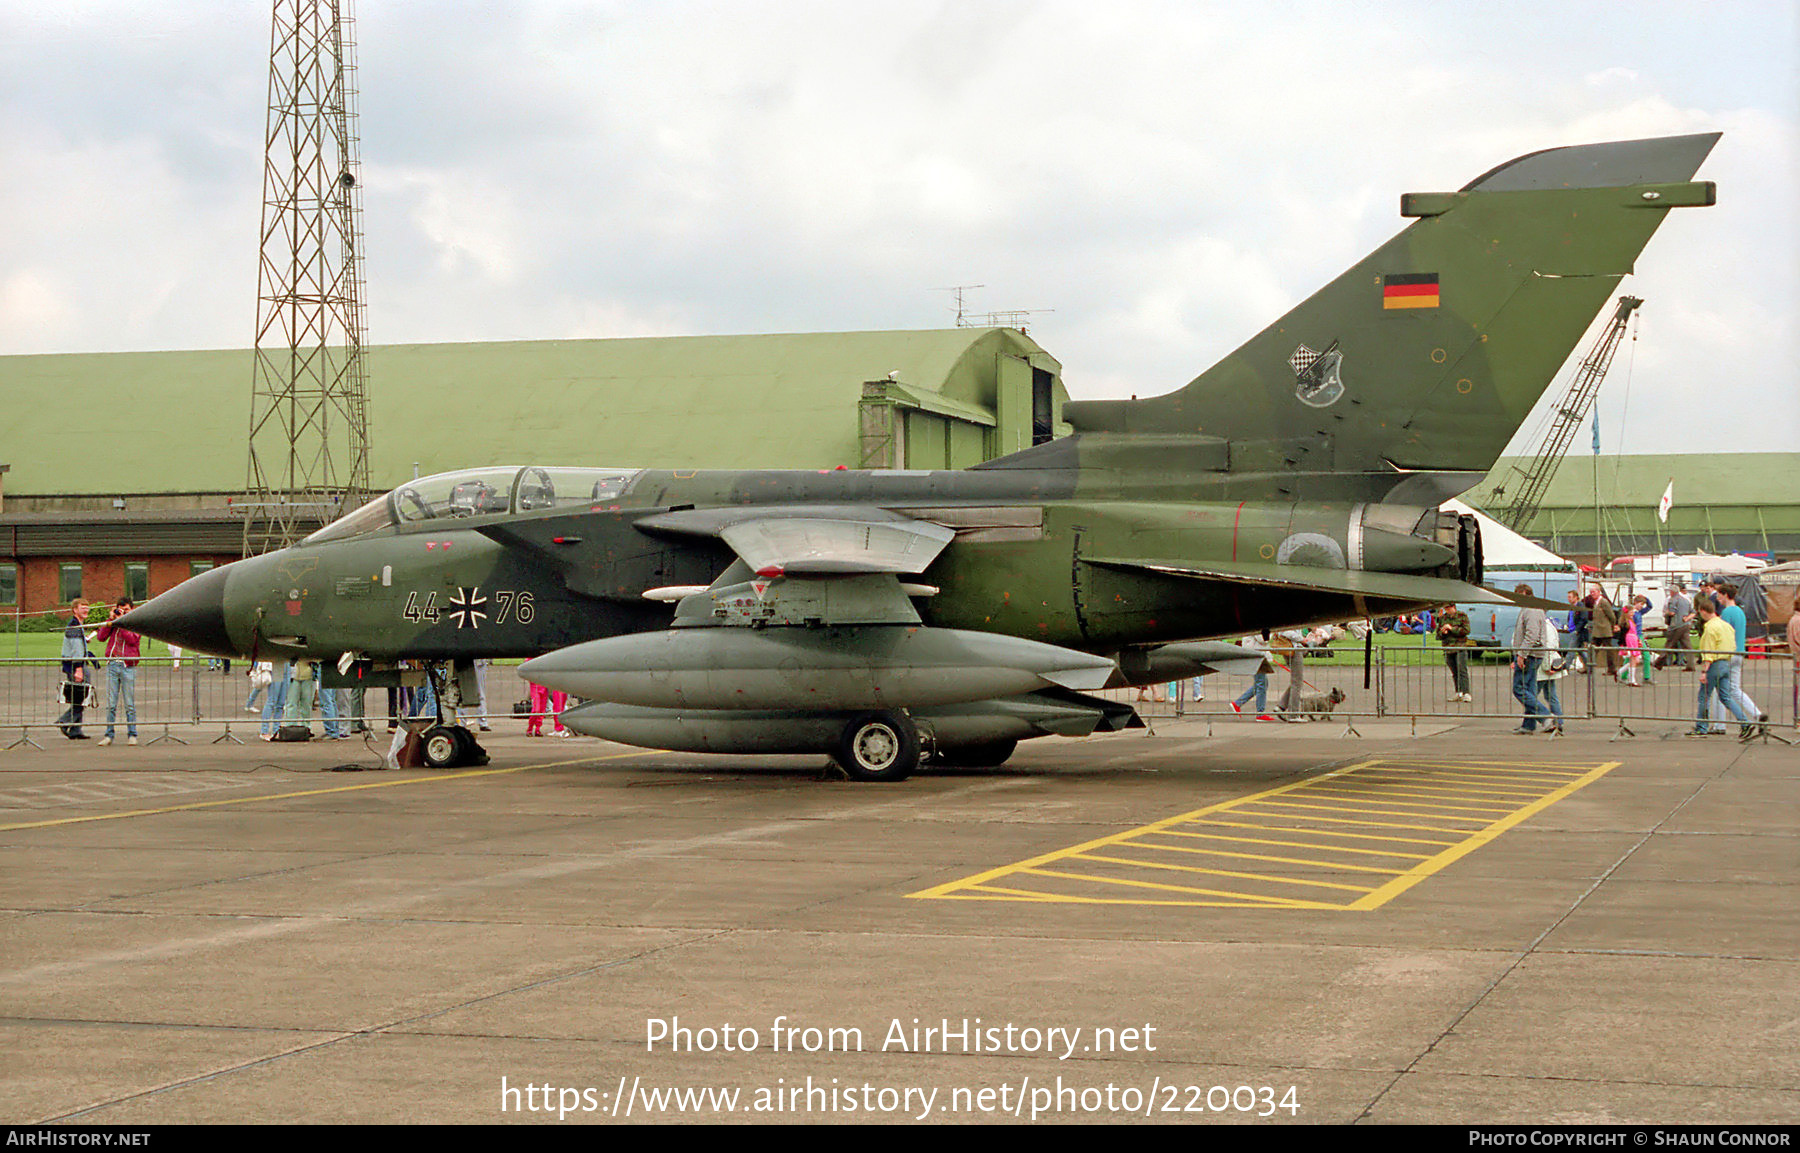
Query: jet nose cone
[{"x": 191, "y": 615}]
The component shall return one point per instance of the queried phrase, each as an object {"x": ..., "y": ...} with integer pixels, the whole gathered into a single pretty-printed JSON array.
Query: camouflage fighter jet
[{"x": 870, "y": 613}]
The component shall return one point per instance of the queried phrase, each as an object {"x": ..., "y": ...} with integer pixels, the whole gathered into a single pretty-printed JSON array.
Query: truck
[{"x": 1491, "y": 626}]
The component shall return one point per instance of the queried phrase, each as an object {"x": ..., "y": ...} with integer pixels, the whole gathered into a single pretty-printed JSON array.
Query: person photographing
[{"x": 123, "y": 649}]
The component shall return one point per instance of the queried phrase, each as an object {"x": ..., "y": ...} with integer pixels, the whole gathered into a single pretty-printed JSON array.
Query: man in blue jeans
[
  {"x": 1716, "y": 648},
  {"x": 1528, "y": 643},
  {"x": 1733, "y": 614}
]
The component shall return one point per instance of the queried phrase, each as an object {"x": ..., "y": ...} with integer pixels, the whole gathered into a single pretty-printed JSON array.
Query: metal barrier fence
[
  {"x": 1409, "y": 683},
  {"x": 176, "y": 697}
]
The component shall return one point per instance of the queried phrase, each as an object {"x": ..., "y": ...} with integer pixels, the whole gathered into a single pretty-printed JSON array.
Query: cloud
[
  {"x": 30, "y": 303},
  {"x": 1166, "y": 177}
]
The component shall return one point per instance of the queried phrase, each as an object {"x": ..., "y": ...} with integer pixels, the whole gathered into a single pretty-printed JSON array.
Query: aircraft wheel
[
  {"x": 879, "y": 747},
  {"x": 987, "y": 755},
  {"x": 441, "y": 747}
]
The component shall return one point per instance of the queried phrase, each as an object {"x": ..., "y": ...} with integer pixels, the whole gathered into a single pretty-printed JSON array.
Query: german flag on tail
[{"x": 1409, "y": 290}]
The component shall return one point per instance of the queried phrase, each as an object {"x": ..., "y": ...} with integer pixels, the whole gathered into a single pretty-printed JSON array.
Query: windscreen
[{"x": 377, "y": 514}]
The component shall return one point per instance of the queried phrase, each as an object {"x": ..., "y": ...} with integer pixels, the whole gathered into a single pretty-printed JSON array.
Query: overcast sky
[{"x": 1163, "y": 178}]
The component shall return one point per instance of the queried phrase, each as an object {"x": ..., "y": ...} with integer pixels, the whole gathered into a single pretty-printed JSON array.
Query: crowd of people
[{"x": 1617, "y": 636}]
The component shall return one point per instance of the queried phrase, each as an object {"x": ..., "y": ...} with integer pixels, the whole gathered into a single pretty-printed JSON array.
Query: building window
[
  {"x": 68, "y": 582},
  {"x": 137, "y": 581},
  {"x": 9, "y": 584},
  {"x": 195, "y": 568}
]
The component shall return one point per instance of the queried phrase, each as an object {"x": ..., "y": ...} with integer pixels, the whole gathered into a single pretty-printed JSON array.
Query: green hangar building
[
  {"x": 1607, "y": 506},
  {"x": 119, "y": 471}
]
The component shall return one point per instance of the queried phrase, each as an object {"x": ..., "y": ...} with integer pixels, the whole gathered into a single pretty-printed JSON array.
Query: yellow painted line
[
  {"x": 1507, "y": 762},
  {"x": 1431, "y": 786},
  {"x": 1025, "y": 894},
  {"x": 1288, "y": 844},
  {"x": 1447, "y": 792},
  {"x": 1360, "y": 802},
  {"x": 1266, "y": 857},
  {"x": 1484, "y": 796},
  {"x": 1493, "y": 778},
  {"x": 1317, "y": 832},
  {"x": 1530, "y": 766},
  {"x": 1511, "y": 770},
  {"x": 1228, "y": 873},
  {"x": 1504, "y": 772},
  {"x": 1241, "y": 855},
  {"x": 1357, "y": 823},
  {"x": 1257, "y": 898},
  {"x": 1450, "y": 856},
  {"x": 434, "y": 779},
  {"x": 1102, "y": 842},
  {"x": 1425, "y": 800},
  {"x": 1040, "y": 899},
  {"x": 1370, "y": 812},
  {"x": 1366, "y": 807},
  {"x": 1533, "y": 788},
  {"x": 1035, "y": 895},
  {"x": 1356, "y": 789}
]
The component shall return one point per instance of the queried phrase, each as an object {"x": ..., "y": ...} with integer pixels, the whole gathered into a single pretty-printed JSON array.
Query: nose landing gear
[{"x": 451, "y": 746}]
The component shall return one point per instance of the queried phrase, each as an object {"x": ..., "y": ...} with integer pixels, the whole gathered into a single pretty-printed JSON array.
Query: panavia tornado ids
[{"x": 871, "y": 614}]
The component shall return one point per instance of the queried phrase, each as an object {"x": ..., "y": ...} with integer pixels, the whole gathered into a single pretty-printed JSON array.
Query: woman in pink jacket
[{"x": 1629, "y": 640}]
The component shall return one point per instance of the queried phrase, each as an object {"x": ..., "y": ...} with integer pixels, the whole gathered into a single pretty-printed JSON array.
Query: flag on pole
[
  {"x": 1596, "y": 432},
  {"x": 1668, "y": 499}
]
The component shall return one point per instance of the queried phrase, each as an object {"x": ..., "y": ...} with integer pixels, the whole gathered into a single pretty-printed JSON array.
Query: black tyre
[
  {"x": 988, "y": 755},
  {"x": 472, "y": 752},
  {"x": 879, "y": 747},
  {"x": 441, "y": 746}
]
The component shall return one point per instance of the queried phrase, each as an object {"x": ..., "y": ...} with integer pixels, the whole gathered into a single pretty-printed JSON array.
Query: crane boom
[{"x": 1534, "y": 480}]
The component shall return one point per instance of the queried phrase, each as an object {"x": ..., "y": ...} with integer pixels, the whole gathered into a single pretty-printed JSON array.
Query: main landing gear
[
  {"x": 886, "y": 746},
  {"x": 880, "y": 746}
]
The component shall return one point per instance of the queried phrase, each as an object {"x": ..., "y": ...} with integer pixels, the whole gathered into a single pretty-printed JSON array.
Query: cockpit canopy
[{"x": 482, "y": 492}]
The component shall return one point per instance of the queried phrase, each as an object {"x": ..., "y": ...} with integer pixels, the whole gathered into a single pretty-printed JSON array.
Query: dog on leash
[{"x": 1314, "y": 704}]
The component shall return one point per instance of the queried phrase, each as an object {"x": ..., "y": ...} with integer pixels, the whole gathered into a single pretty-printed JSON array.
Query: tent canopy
[{"x": 1502, "y": 549}]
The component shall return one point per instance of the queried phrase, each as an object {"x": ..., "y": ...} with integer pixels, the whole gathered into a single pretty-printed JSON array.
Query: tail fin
[{"x": 1429, "y": 354}]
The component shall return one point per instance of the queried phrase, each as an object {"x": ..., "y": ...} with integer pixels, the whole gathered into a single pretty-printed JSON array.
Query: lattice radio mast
[{"x": 309, "y": 430}]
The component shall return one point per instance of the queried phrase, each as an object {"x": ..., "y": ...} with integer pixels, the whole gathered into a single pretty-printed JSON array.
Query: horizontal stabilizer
[{"x": 1402, "y": 587}]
